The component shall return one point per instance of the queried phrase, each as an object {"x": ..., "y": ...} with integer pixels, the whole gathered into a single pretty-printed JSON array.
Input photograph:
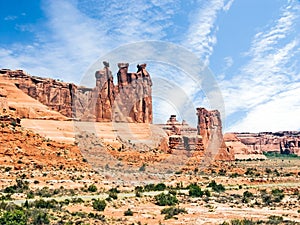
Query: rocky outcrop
[
  {"x": 130, "y": 100},
  {"x": 210, "y": 129},
  {"x": 133, "y": 97},
  {"x": 285, "y": 142},
  {"x": 52, "y": 93},
  {"x": 204, "y": 141},
  {"x": 182, "y": 136},
  {"x": 241, "y": 150},
  {"x": 14, "y": 101},
  {"x": 24, "y": 149}
]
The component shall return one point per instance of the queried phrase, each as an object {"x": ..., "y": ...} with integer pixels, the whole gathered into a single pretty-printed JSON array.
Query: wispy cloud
[
  {"x": 267, "y": 76},
  {"x": 77, "y": 33},
  {"x": 10, "y": 18},
  {"x": 201, "y": 36}
]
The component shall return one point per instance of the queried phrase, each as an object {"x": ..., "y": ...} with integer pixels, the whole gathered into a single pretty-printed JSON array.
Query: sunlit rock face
[
  {"x": 210, "y": 129},
  {"x": 130, "y": 100}
]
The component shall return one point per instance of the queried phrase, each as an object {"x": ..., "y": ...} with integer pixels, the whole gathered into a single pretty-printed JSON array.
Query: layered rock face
[
  {"x": 286, "y": 142},
  {"x": 130, "y": 100},
  {"x": 210, "y": 129},
  {"x": 205, "y": 141},
  {"x": 52, "y": 93},
  {"x": 14, "y": 101},
  {"x": 133, "y": 95},
  {"x": 182, "y": 136},
  {"x": 241, "y": 150}
]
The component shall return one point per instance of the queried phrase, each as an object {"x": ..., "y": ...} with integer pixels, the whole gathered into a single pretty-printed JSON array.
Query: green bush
[
  {"x": 276, "y": 195},
  {"x": 128, "y": 212},
  {"x": 195, "y": 190},
  {"x": 39, "y": 217},
  {"x": 20, "y": 187},
  {"x": 112, "y": 195},
  {"x": 15, "y": 217},
  {"x": 143, "y": 168},
  {"x": 172, "y": 211},
  {"x": 41, "y": 203},
  {"x": 166, "y": 199},
  {"x": 92, "y": 188},
  {"x": 99, "y": 205},
  {"x": 160, "y": 187},
  {"x": 216, "y": 187}
]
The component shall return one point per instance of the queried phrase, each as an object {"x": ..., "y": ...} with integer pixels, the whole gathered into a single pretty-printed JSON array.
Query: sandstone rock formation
[
  {"x": 17, "y": 103},
  {"x": 182, "y": 136},
  {"x": 205, "y": 141},
  {"x": 130, "y": 100},
  {"x": 241, "y": 151},
  {"x": 52, "y": 93},
  {"x": 133, "y": 101},
  {"x": 22, "y": 148},
  {"x": 286, "y": 142},
  {"x": 210, "y": 129}
]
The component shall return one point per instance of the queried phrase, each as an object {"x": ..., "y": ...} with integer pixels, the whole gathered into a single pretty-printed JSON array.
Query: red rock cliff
[
  {"x": 210, "y": 129},
  {"x": 130, "y": 100}
]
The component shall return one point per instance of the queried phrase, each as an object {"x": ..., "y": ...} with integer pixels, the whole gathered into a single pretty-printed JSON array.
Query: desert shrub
[
  {"x": 92, "y": 188},
  {"x": 77, "y": 200},
  {"x": 233, "y": 175},
  {"x": 207, "y": 193},
  {"x": 99, "y": 205},
  {"x": 7, "y": 169},
  {"x": 44, "y": 192},
  {"x": 139, "y": 189},
  {"x": 247, "y": 195},
  {"x": 39, "y": 217},
  {"x": 249, "y": 171},
  {"x": 222, "y": 172},
  {"x": 275, "y": 219},
  {"x": 173, "y": 192},
  {"x": 195, "y": 190},
  {"x": 149, "y": 187},
  {"x": 15, "y": 217},
  {"x": 20, "y": 187},
  {"x": 172, "y": 211},
  {"x": 128, "y": 212},
  {"x": 278, "y": 195},
  {"x": 268, "y": 170},
  {"x": 30, "y": 194},
  {"x": 41, "y": 203},
  {"x": 114, "y": 190},
  {"x": 166, "y": 199},
  {"x": 143, "y": 168},
  {"x": 97, "y": 216},
  {"x": 160, "y": 187},
  {"x": 216, "y": 187},
  {"x": 112, "y": 195}
]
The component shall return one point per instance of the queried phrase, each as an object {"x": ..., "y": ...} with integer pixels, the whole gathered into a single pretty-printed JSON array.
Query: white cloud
[
  {"x": 264, "y": 82},
  {"x": 227, "y": 5},
  {"x": 201, "y": 36},
  {"x": 10, "y": 18},
  {"x": 280, "y": 113},
  {"x": 74, "y": 38}
]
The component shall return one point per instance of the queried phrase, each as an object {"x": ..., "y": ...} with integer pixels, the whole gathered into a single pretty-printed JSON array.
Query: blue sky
[{"x": 251, "y": 46}]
